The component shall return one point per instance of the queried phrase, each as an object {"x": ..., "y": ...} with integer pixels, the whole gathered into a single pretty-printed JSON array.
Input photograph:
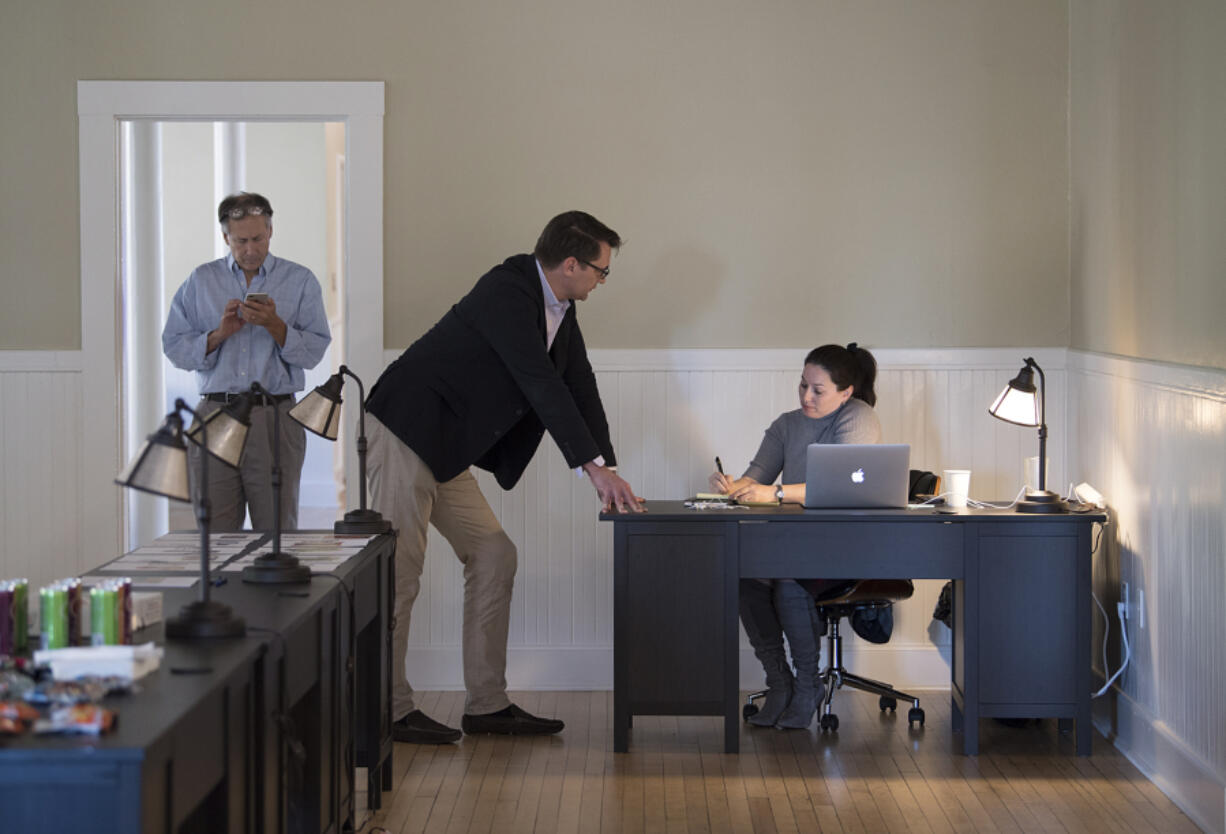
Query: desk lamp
[
  {"x": 1018, "y": 404},
  {"x": 275, "y": 567},
  {"x": 160, "y": 468},
  {"x": 319, "y": 412},
  {"x": 227, "y": 430}
]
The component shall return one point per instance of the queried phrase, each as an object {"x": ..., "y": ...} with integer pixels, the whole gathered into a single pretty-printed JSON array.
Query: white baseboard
[
  {"x": 583, "y": 668},
  {"x": 1164, "y": 759}
]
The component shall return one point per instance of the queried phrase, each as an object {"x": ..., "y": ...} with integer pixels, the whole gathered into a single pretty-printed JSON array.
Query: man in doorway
[
  {"x": 502, "y": 367},
  {"x": 249, "y": 317}
]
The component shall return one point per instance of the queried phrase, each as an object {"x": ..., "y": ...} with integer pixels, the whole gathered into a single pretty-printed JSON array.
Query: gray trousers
[
  {"x": 403, "y": 490},
  {"x": 232, "y": 492}
]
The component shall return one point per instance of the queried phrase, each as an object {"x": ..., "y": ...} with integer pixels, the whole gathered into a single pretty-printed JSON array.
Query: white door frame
[{"x": 101, "y": 106}]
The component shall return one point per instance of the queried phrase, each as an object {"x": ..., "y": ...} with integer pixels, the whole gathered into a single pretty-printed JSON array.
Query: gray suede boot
[
  {"x": 778, "y": 692},
  {"x": 766, "y": 637},
  {"x": 798, "y": 615}
]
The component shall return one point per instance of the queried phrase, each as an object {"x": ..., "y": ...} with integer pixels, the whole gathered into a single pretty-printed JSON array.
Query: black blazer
[{"x": 480, "y": 389}]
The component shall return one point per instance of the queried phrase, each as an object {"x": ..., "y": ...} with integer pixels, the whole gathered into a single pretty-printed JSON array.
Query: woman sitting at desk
[{"x": 836, "y": 406}]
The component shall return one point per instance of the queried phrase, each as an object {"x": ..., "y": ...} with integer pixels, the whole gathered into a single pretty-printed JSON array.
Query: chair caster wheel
[
  {"x": 915, "y": 714},
  {"x": 887, "y": 704},
  {"x": 830, "y": 722},
  {"x": 749, "y": 711}
]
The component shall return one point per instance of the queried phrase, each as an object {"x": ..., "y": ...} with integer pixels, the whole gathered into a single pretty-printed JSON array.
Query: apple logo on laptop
[{"x": 857, "y": 477}]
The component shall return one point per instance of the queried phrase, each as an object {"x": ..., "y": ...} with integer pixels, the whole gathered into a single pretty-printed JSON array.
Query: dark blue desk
[{"x": 1021, "y": 603}]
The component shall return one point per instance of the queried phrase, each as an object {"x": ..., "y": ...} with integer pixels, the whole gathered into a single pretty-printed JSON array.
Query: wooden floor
[{"x": 873, "y": 776}]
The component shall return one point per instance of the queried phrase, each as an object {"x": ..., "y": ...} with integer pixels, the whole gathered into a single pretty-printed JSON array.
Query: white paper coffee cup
[{"x": 957, "y": 486}]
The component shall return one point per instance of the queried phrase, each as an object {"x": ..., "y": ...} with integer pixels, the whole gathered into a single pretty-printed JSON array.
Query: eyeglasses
[
  {"x": 603, "y": 270},
  {"x": 238, "y": 212}
]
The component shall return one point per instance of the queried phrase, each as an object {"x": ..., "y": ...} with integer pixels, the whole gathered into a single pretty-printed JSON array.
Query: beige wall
[
  {"x": 1148, "y": 138},
  {"x": 783, "y": 173}
]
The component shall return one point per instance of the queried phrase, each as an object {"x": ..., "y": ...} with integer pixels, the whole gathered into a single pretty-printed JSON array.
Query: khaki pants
[
  {"x": 232, "y": 492},
  {"x": 404, "y": 491}
]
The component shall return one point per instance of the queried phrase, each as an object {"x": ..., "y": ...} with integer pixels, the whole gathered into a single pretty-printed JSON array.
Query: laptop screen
[{"x": 850, "y": 475}]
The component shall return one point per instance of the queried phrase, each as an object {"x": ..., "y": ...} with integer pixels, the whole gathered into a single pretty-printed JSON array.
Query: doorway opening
[
  {"x": 102, "y": 107},
  {"x": 172, "y": 176}
]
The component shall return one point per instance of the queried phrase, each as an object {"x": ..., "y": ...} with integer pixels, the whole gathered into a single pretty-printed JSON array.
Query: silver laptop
[{"x": 850, "y": 475}]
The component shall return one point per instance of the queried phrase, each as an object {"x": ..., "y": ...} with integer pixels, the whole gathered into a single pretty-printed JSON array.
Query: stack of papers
[
  {"x": 133, "y": 662},
  {"x": 180, "y": 553},
  {"x": 321, "y": 552},
  {"x": 146, "y": 580},
  {"x": 719, "y": 500}
]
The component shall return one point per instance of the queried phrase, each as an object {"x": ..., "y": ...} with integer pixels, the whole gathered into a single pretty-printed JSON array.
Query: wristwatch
[{"x": 779, "y": 493}]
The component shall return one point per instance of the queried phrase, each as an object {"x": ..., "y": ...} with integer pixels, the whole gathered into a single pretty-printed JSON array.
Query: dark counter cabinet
[{"x": 259, "y": 733}]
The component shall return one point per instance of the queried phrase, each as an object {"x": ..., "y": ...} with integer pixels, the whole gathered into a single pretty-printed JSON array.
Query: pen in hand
[{"x": 719, "y": 481}]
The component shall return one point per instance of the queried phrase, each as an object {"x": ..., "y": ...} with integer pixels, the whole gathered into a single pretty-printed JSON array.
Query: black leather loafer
[
  {"x": 511, "y": 721},
  {"x": 419, "y": 728}
]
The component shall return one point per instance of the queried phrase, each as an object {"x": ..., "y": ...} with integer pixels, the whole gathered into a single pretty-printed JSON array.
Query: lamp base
[
  {"x": 276, "y": 569},
  {"x": 204, "y": 620},
  {"x": 362, "y": 522},
  {"x": 1042, "y": 501}
]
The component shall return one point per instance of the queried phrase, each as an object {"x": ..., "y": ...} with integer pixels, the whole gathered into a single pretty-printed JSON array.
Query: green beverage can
[
  {"x": 103, "y": 616},
  {"x": 21, "y": 612},
  {"x": 53, "y": 601}
]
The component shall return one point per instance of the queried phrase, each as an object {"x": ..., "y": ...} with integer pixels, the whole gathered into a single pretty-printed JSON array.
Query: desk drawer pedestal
[
  {"x": 1022, "y": 627},
  {"x": 675, "y": 624}
]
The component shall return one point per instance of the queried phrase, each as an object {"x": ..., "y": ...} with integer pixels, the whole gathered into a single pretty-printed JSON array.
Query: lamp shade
[
  {"x": 227, "y": 431},
  {"x": 1019, "y": 402},
  {"x": 320, "y": 410},
  {"x": 160, "y": 467}
]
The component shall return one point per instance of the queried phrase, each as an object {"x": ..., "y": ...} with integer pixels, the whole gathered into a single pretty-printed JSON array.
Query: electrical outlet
[{"x": 1141, "y": 607}]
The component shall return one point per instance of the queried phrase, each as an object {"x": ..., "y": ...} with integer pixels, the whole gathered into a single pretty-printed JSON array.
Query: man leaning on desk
[
  {"x": 249, "y": 317},
  {"x": 506, "y": 364}
]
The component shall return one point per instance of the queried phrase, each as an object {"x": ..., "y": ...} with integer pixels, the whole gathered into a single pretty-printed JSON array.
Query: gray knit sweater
[{"x": 783, "y": 446}]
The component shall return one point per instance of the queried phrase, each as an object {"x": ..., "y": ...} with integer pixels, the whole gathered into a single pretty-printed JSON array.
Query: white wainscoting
[
  {"x": 41, "y": 456},
  {"x": 671, "y": 412},
  {"x": 1152, "y": 439}
]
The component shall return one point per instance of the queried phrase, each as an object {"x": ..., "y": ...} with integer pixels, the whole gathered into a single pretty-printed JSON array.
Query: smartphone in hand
[{"x": 259, "y": 297}]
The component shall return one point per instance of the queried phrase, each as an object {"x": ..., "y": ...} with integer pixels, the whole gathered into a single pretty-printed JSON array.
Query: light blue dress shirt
[{"x": 251, "y": 354}]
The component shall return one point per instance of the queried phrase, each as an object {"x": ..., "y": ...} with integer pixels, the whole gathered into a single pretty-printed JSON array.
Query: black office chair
[
  {"x": 837, "y": 600},
  {"x": 864, "y": 596}
]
